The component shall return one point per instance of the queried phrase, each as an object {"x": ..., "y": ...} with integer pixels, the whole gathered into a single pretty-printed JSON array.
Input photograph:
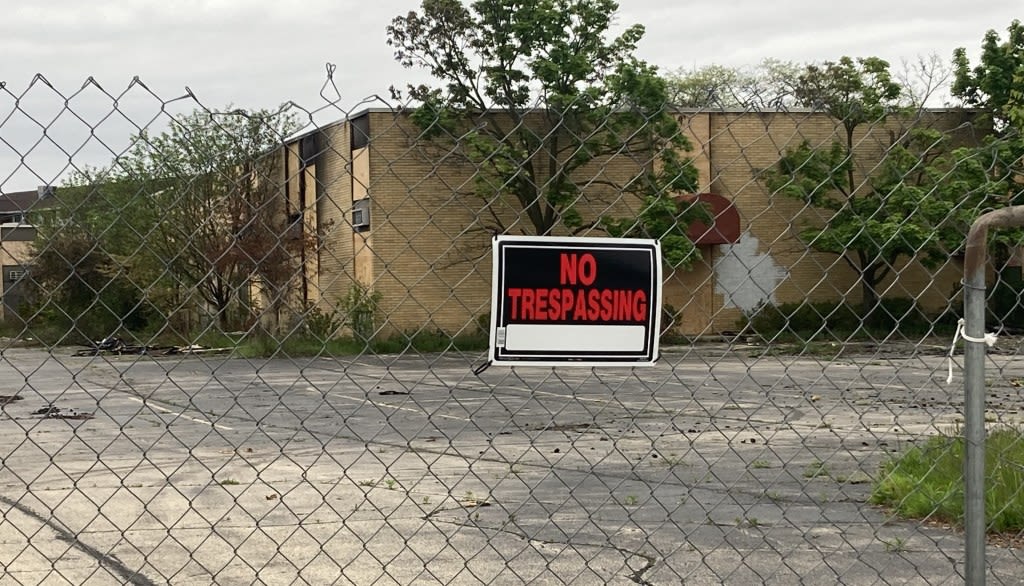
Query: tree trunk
[
  {"x": 849, "y": 154},
  {"x": 222, "y": 304},
  {"x": 869, "y": 295}
]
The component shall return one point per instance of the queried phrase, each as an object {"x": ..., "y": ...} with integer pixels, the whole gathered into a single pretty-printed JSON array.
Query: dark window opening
[
  {"x": 308, "y": 150},
  {"x": 360, "y": 129}
]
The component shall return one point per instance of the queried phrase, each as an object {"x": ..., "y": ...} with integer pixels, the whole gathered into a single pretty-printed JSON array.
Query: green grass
[
  {"x": 12, "y": 328},
  {"x": 895, "y": 545},
  {"x": 816, "y": 469},
  {"x": 927, "y": 481}
]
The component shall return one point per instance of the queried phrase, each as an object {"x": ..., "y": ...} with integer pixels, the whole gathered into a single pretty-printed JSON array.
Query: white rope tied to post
[{"x": 989, "y": 340}]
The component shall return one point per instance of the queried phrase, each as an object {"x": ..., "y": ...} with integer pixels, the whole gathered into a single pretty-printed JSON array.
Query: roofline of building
[
  {"x": 313, "y": 129},
  {"x": 12, "y": 202}
]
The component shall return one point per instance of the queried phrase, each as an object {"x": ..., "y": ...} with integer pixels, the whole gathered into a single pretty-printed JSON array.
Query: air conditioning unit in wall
[{"x": 361, "y": 215}]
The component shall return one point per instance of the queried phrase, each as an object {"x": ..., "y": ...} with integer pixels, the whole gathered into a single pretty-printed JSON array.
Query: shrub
[
  {"x": 361, "y": 307},
  {"x": 898, "y": 314},
  {"x": 811, "y": 320},
  {"x": 323, "y": 325},
  {"x": 803, "y": 320}
]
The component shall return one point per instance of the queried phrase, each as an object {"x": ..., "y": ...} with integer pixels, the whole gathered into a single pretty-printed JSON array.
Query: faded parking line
[{"x": 182, "y": 415}]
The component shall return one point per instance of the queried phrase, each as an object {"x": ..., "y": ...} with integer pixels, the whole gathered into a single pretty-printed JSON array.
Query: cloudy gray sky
[{"x": 260, "y": 53}]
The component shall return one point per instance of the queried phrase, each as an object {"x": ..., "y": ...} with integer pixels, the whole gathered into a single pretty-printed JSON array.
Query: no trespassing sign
[{"x": 580, "y": 301}]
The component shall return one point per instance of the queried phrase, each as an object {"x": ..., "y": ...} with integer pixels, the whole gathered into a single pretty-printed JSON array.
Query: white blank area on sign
[{"x": 571, "y": 338}]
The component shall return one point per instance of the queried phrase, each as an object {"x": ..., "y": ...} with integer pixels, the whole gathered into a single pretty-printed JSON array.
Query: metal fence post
[{"x": 974, "y": 387}]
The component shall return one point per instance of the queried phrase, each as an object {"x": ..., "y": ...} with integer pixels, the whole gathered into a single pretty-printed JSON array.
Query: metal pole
[
  {"x": 974, "y": 388},
  {"x": 974, "y": 425}
]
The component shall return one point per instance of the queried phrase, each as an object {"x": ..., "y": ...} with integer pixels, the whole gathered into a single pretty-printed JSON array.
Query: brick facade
[{"x": 426, "y": 254}]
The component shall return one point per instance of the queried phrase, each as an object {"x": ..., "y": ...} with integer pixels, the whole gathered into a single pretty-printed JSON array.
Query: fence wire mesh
[{"x": 241, "y": 346}]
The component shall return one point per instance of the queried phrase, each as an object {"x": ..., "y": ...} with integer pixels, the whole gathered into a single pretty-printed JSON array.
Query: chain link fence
[{"x": 242, "y": 346}]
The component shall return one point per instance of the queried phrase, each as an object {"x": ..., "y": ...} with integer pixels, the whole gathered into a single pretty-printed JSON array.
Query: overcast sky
[{"x": 260, "y": 53}]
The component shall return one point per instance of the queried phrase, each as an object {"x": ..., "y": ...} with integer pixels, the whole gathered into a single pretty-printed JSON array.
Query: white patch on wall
[{"x": 744, "y": 278}]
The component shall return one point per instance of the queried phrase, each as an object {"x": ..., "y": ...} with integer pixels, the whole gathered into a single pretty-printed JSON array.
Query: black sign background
[{"x": 535, "y": 263}]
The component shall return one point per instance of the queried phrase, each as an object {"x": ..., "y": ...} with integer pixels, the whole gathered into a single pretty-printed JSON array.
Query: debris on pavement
[
  {"x": 52, "y": 411},
  {"x": 117, "y": 347}
]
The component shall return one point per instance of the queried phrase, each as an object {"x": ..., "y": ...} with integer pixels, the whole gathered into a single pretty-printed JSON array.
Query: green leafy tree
[
  {"x": 919, "y": 203},
  {"x": 902, "y": 207},
  {"x": 854, "y": 92},
  {"x": 79, "y": 283},
  {"x": 195, "y": 211},
  {"x": 996, "y": 84},
  {"x": 533, "y": 95},
  {"x": 995, "y": 87},
  {"x": 216, "y": 180}
]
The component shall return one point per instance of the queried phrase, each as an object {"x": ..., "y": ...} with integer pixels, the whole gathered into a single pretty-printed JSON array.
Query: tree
[
  {"x": 875, "y": 216},
  {"x": 924, "y": 81},
  {"x": 533, "y": 95},
  {"x": 852, "y": 92},
  {"x": 768, "y": 86},
  {"x": 78, "y": 283},
  {"x": 994, "y": 85},
  {"x": 195, "y": 210},
  {"x": 920, "y": 202},
  {"x": 216, "y": 179}
]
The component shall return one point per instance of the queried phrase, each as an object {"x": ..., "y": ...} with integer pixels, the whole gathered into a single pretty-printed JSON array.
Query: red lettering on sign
[
  {"x": 567, "y": 273},
  {"x": 513, "y": 295},
  {"x": 565, "y": 304},
  {"x": 527, "y": 312},
  {"x": 587, "y": 275},
  {"x": 640, "y": 306},
  {"x": 540, "y": 301},
  {"x": 606, "y": 305},
  {"x": 622, "y": 303},
  {"x": 594, "y": 305},
  {"x": 580, "y": 313},
  {"x": 567, "y": 298},
  {"x": 575, "y": 269}
]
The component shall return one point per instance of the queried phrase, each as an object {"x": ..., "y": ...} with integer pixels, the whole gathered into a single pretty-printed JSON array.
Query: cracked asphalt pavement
[{"x": 719, "y": 465}]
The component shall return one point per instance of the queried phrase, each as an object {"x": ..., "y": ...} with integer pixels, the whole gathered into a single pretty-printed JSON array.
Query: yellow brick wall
[
  {"x": 429, "y": 257},
  {"x": 308, "y": 205},
  {"x": 14, "y": 253},
  {"x": 333, "y": 189},
  {"x": 430, "y": 244},
  {"x": 431, "y": 267},
  {"x": 742, "y": 145}
]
